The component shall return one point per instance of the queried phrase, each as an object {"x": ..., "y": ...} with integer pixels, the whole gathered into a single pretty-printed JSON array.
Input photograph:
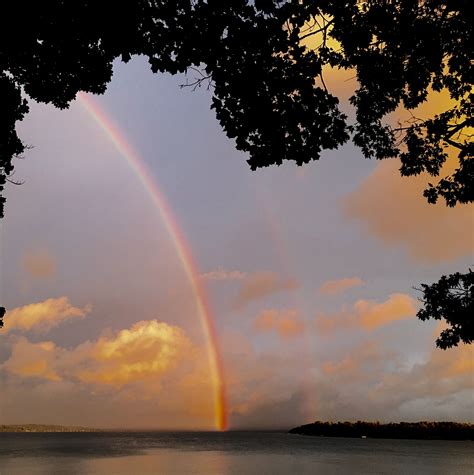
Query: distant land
[
  {"x": 401, "y": 430},
  {"x": 44, "y": 428}
]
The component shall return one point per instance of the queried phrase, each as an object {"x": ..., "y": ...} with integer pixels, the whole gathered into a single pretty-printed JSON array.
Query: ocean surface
[{"x": 226, "y": 453}]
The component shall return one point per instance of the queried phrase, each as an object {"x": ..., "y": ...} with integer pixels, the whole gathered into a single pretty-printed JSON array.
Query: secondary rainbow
[{"x": 183, "y": 251}]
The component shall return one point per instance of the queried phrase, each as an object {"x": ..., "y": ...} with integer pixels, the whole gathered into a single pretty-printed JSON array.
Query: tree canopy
[
  {"x": 268, "y": 88},
  {"x": 451, "y": 299}
]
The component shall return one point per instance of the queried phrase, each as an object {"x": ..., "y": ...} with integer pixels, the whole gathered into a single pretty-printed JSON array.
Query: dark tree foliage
[
  {"x": 451, "y": 299},
  {"x": 401, "y": 430},
  {"x": 268, "y": 90}
]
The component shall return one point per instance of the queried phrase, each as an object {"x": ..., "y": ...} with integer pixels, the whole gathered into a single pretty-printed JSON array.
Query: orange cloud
[
  {"x": 286, "y": 323},
  {"x": 393, "y": 209},
  {"x": 396, "y": 307},
  {"x": 43, "y": 315},
  {"x": 116, "y": 379},
  {"x": 147, "y": 349},
  {"x": 39, "y": 264},
  {"x": 347, "y": 365},
  {"x": 34, "y": 360},
  {"x": 222, "y": 274},
  {"x": 261, "y": 284},
  {"x": 360, "y": 364},
  {"x": 144, "y": 353},
  {"x": 333, "y": 287},
  {"x": 368, "y": 314}
]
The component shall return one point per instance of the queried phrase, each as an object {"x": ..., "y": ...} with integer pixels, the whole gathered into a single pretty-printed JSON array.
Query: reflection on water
[{"x": 226, "y": 453}]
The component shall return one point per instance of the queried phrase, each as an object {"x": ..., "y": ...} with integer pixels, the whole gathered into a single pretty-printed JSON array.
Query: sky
[{"x": 309, "y": 274}]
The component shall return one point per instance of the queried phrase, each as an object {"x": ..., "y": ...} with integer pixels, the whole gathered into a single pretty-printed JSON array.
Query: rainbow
[{"x": 183, "y": 251}]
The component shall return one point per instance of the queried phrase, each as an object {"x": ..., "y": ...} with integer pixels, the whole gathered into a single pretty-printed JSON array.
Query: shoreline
[{"x": 44, "y": 428}]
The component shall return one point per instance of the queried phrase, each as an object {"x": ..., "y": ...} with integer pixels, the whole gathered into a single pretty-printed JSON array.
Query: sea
[{"x": 130, "y": 453}]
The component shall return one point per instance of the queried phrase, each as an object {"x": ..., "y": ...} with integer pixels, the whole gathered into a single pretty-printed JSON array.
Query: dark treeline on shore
[
  {"x": 401, "y": 430},
  {"x": 44, "y": 428}
]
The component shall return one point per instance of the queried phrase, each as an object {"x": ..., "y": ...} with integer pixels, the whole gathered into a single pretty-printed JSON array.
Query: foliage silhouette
[
  {"x": 268, "y": 89},
  {"x": 451, "y": 298}
]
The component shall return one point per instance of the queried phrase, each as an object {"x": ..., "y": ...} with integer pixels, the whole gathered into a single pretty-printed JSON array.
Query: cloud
[
  {"x": 43, "y": 315},
  {"x": 256, "y": 376},
  {"x": 222, "y": 274},
  {"x": 281, "y": 413},
  {"x": 262, "y": 284},
  {"x": 368, "y": 314},
  {"x": 39, "y": 264},
  {"x": 266, "y": 388},
  {"x": 286, "y": 323},
  {"x": 148, "y": 375},
  {"x": 441, "y": 375},
  {"x": 333, "y": 287},
  {"x": 368, "y": 382},
  {"x": 147, "y": 350},
  {"x": 397, "y": 307},
  {"x": 327, "y": 396},
  {"x": 382, "y": 385},
  {"x": 393, "y": 209},
  {"x": 34, "y": 359},
  {"x": 359, "y": 364}
]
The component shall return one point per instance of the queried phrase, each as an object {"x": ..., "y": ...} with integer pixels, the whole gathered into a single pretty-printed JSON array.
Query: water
[{"x": 226, "y": 453}]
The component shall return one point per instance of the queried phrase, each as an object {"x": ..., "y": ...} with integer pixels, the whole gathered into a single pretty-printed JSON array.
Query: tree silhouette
[
  {"x": 268, "y": 89},
  {"x": 452, "y": 299}
]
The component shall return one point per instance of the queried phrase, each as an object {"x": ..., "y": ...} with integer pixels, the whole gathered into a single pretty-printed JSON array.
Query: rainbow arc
[{"x": 183, "y": 250}]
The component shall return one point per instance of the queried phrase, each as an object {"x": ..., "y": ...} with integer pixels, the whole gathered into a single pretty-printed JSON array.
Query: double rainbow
[{"x": 181, "y": 246}]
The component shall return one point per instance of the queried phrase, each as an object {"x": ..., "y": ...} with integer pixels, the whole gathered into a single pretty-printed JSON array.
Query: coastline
[{"x": 43, "y": 428}]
